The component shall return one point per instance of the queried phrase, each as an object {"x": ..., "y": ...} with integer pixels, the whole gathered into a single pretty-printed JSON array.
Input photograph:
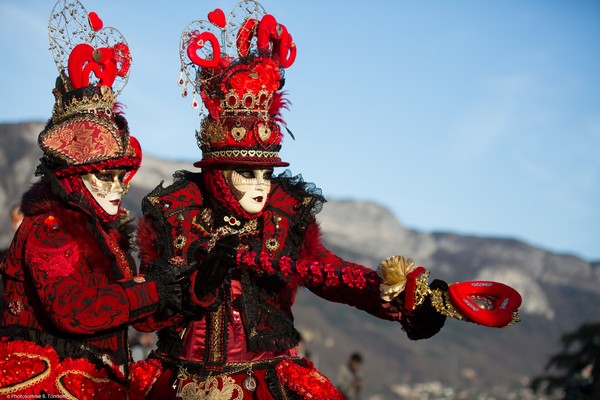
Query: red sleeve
[
  {"x": 147, "y": 240},
  {"x": 76, "y": 298},
  {"x": 362, "y": 284},
  {"x": 340, "y": 281}
]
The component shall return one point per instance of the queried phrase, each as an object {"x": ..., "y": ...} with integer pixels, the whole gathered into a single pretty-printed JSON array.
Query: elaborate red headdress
[
  {"x": 241, "y": 91},
  {"x": 86, "y": 132}
]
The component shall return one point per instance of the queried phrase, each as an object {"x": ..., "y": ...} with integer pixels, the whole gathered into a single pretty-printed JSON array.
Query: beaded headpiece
[
  {"x": 86, "y": 132},
  {"x": 235, "y": 65}
]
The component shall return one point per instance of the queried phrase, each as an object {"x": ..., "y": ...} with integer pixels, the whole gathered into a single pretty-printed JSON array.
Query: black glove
[
  {"x": 172, "y": 282},
  {"x": 217, "y": 265},
  {"x": 425, "y": 321}
]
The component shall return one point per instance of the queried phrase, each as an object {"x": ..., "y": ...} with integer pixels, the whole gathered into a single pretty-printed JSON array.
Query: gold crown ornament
[{"x": 235, "y": 65}]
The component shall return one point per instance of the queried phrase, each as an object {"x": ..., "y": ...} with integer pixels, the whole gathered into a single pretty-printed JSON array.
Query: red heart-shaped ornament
[
  {"x": 245, "y": 35},
  {"x": 197, "y": 42},
  {"x": 80, "y": 379},
  {"x": 307, "y": 379},
  {"x": 217, "y": 17},
  {"x": 81, "y": 385},
  {"x": 26, "y": 365},
  {"x": 485, "y": 302},
  {"x": 95, "y": 21},
  {"x": 30, "y": 371},
  {"x": 84, "y": 60}
]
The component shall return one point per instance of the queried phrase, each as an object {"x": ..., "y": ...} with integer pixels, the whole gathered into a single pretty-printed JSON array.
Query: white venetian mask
[
  {"x": 107, "y": 188},
  {"x": 250, "y": 187}
]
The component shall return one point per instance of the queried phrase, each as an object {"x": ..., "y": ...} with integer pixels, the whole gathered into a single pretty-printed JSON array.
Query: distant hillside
[{"x": 559, "y": 291}]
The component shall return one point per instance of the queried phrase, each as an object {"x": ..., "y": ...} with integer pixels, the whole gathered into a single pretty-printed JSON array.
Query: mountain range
[{"x": 560, "y": 291}]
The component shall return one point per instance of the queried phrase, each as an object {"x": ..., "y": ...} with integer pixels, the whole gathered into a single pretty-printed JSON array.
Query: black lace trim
[
  {"x": 267, "y": 327},
  {"x": 311, "y": 201},
  {"x": 299, "y": 188},
  {"x": 169, "y": 342}
]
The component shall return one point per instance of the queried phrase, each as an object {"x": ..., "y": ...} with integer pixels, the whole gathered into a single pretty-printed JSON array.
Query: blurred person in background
[
  {"x": 142, "y": 344},
  {"x": 349, "y": 378},
  {"x": 16, "y": 216}
]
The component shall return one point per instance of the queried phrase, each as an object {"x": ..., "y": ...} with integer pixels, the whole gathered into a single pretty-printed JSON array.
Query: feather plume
[{"x": 278, "y": 103}]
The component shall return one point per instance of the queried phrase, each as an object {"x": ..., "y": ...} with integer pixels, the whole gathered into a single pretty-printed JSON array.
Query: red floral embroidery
[
  {"x": 302, "y": 268},
  {"x": 285, "y": 265},
  {"x": 59, "y": 261},
  {"x": 313, "y": 272},
  {"x": 353, "y": 278},
  {"x": 330, "y": 276},
  {"x": 82, "y": 141},
  {"x": 265, "y": 261},
  {"x": 307, "y": 381}
]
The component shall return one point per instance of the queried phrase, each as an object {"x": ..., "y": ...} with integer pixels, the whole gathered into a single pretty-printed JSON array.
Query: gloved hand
[
  {"x": 425, "y": 321},
  {"x": 216, "y": 265},
  {"x": 172, "y": 282}
]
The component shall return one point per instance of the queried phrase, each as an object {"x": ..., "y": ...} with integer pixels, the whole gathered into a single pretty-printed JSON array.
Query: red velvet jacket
[
  {"x": 68, "y": 284},
  {"x": 238, "y": 335},
  {"x": 253, "y": 310}
]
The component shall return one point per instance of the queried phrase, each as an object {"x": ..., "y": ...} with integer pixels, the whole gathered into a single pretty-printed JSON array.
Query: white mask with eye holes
[
  {"x": 250, "y": 187},
  {"x": 107, "y": 188}
]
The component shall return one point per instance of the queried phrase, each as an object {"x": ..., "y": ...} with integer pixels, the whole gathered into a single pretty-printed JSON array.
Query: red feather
[
  {"x": 278, "y": 104},
  {"x": 119, "y": 108}
]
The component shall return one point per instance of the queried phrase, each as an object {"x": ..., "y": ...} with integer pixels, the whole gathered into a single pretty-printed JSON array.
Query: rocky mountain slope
[{"x": 559, "y": 291}]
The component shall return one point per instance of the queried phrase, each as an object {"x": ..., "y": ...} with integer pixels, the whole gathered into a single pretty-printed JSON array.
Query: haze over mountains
[{"x": 560, "y": 291}]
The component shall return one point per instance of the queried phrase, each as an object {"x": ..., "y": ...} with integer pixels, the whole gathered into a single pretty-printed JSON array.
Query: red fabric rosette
[
  {"x": 307, "y": 381},
  {"x": 263, "y": 75},
  {"x": 26, "y": 368}
]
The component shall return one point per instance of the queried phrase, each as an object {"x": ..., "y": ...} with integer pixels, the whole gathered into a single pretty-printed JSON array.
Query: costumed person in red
[
  {"x": 253, "y": 237},
  {"x": 69, "y": 285}
]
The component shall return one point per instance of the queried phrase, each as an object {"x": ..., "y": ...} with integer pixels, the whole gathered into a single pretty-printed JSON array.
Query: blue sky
[{"x": 476, "y": 117}]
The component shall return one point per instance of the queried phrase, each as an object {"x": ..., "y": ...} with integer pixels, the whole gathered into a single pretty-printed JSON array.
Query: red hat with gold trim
[
  {"x": 235, "y": 65},
  {"x": 87, "y": 133}
]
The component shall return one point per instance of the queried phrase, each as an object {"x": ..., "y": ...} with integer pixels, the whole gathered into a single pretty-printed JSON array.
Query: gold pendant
[
  {"x": 238, "y": 133},
  {"x": 264, "y": 132}
]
